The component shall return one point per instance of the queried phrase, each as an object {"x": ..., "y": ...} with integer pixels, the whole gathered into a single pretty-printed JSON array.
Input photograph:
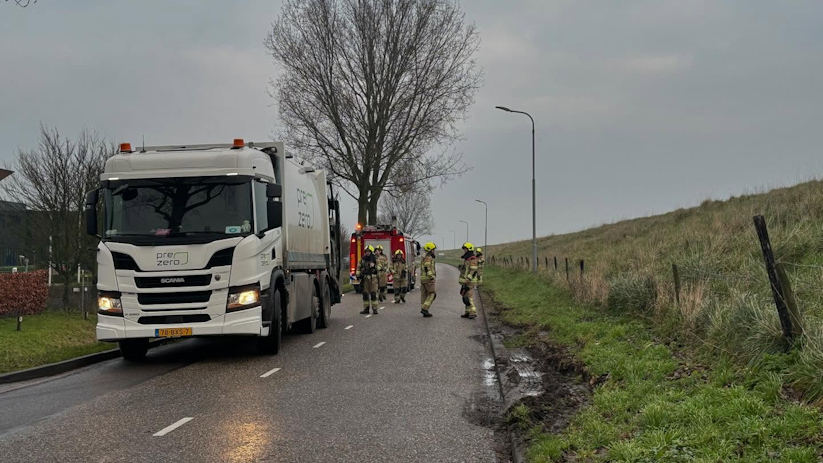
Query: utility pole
[
  {"x": 486, "y": 235},
  {"x": 467, "y": 230},
  {"x": 534, "y": 190}
]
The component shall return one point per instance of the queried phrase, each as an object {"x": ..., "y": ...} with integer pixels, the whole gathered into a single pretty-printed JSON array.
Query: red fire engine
[{"x": 391, "y": 239}]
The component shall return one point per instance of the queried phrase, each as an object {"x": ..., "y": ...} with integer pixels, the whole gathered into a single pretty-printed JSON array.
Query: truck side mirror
[
  {"x": 274, "y": 190},
  {"x": 274, "y": 210},
  {"x": 91, "y": 212}
]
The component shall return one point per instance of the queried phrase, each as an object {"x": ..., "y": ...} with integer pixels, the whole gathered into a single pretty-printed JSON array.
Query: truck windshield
[{"x": 179, "y": 207}]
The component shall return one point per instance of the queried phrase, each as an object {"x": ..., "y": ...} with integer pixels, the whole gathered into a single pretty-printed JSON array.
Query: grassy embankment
[
  {"x": 726, "y": 304},
  {"x": 654, "y": 406},
  {"x": 47, "y": 338}
]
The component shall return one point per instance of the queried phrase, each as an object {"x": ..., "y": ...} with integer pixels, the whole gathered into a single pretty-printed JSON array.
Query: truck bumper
[{"x": 243, "y": 323}]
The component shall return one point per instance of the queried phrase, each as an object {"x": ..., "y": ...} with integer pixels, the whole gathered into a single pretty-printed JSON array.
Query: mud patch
[{"x": 544, "y": 382}]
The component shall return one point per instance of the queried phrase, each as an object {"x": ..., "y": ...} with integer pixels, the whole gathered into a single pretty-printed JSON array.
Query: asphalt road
[{"x": 393, "y": 387}]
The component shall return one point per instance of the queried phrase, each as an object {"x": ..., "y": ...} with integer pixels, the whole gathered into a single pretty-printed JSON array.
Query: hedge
[{"x": 27, "y": 291}]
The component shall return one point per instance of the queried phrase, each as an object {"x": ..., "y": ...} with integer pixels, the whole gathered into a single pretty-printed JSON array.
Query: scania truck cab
[{"x": 213, "y": 240}]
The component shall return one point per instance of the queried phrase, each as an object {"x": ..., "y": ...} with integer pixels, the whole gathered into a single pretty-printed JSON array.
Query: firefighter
[
  {"x": 382, "y": 273},
  {"x": 401, "y": 279},
  {"x": 468, "y": 280},
  {"x": 481, "y": 264},
  {"x": 427, "y": 276},
  {"x": 367, "y": 274}
]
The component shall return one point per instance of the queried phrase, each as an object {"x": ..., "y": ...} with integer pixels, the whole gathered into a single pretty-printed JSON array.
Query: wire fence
[{"x": 700, "y": 295}]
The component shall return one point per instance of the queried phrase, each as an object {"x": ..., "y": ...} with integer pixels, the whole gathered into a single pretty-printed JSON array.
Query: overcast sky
[{"x": 642, "y": 106}]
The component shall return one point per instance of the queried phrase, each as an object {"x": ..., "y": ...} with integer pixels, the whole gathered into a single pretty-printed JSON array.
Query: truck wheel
[
  {"x": 325, "y": 308},
  {"x": 134, "y": 350},
  {"x": 309, "y": 325},
  {"x": 270, "y": 345}
]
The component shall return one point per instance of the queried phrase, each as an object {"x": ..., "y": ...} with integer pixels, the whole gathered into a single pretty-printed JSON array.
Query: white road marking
[
  {"x": 381, "y": 308},
  {"x": 269, "y": 373},
  {"x": 369, "y": 315},
  {"x": 171, "y": 428},
  {"x": 349, "y": 327},
  {"x": 319, "y": 344}
]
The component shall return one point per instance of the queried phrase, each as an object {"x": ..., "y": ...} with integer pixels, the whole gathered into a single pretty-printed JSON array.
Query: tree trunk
[
  {"x": 373, "y": 210},
  {"x": 363, "y": 206}
]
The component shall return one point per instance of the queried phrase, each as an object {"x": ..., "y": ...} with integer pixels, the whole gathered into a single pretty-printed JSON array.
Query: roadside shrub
[
  {"x": 632, "y": 293},
  {"x": 24, "y": 293}
]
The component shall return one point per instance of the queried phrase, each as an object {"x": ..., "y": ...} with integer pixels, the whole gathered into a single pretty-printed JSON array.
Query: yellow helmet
[
  {"x": 370, "y": 248},
  {"x": 468, "y": 246},
  {"x": 429, "y": 247},
  {"x": 380, "y": 247},
  {"x": 398, "y": 253},
  {"x": 480, "y": 250}
]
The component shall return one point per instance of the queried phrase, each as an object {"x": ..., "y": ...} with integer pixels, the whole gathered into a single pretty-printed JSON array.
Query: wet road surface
[{"x": 392, "y": 387}]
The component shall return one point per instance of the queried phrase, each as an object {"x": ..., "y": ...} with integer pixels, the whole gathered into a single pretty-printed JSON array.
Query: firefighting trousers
[
  {"x": 400, "y": 290},
  {"x": 427, "y": 294},
  {"x": 467, "y": 291},
  {"x": 370, "y": 292}
]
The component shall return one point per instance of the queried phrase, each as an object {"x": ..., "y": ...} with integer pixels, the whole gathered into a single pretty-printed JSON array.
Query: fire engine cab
[{"x": 392, "y": 239}]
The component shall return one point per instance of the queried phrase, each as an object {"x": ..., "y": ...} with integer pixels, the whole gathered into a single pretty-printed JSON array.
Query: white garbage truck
[{"x": 238, "y": 239}]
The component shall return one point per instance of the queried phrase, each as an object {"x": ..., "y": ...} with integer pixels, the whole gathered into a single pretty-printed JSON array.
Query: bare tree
[
  {"x": 370, "y": 84},
  {"x": 412, "y": 209},
  {"x": 51, "y": 180},
  {"x": 24, "y": 3}
]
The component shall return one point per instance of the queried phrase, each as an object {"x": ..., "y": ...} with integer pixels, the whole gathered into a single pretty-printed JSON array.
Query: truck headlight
[
  {"x": 108, "y": 303},
  {"x": 243, "y": 298}
]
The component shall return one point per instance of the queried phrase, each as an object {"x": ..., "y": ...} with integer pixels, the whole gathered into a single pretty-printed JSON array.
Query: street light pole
[
  {"x": 467, "y": 230},
  {"x": 534, "y": 191},
  {"x": 486, "y": 236},
  {"x": 454, "y": 239}
]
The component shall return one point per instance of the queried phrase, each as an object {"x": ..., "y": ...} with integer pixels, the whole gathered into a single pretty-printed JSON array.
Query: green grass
[
  {"x": 47, "y": 338},
  {"x": 726, "y": 303},
  {"x": 645, "y": 411}
]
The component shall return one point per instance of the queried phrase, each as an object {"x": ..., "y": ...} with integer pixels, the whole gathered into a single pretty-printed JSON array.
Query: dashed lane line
[
  {"x": 269, "y": 373},
  {"x": 349, "y": 327},
  {"x": 319, "y": 344},
  {"x": 172, "y": 427},
  {"x": 369, "y": 315}
]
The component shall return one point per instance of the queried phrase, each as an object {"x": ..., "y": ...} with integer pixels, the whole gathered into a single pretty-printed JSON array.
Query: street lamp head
[{"x": 503, "y": 108}]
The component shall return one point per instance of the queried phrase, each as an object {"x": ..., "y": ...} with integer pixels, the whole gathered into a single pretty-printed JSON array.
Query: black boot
[
  {"x": 364, "y": 311},
  {"x": 426, "y": 313},
  {"x": 374, "y": 311},
  {"x": 472, "y": 316},
  {"x": 465, "y": 315}
]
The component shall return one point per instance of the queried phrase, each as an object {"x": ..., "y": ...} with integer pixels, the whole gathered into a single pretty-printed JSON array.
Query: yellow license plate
[{"x": 172, "y": 332}]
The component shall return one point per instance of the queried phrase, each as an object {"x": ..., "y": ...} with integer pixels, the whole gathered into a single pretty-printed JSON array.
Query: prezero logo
[
  {"x": 168, "y": 259},
  {"x": 172, "y": 280}
]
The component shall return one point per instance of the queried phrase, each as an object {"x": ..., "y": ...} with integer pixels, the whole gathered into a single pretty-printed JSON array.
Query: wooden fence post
[
  {"x": 581, "y": 268},
  {"x": 547, "y": 262},
  {"x": 567, "y": 269},
  {"x": 777, "y": 289},
  {"x": 676, "y": 275},
  {"x": 528, "y": 264},
  {"x": 788, "y": 297},
  {"x": 555, "y": 263}
]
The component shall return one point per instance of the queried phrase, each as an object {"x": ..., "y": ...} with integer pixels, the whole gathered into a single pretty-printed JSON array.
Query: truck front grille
[
  {"x": 172, "y": 282},
  {"x": 174, "y": 298},
  {"x": 172, "y": 319}
]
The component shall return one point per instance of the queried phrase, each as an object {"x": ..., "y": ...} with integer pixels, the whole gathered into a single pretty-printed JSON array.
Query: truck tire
[
  {"x": 270, "y": 345},
  {"x": 325, "y": 308},
  {"x": 309, "y": 325},
  {"x": 134, "y": 350}
]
